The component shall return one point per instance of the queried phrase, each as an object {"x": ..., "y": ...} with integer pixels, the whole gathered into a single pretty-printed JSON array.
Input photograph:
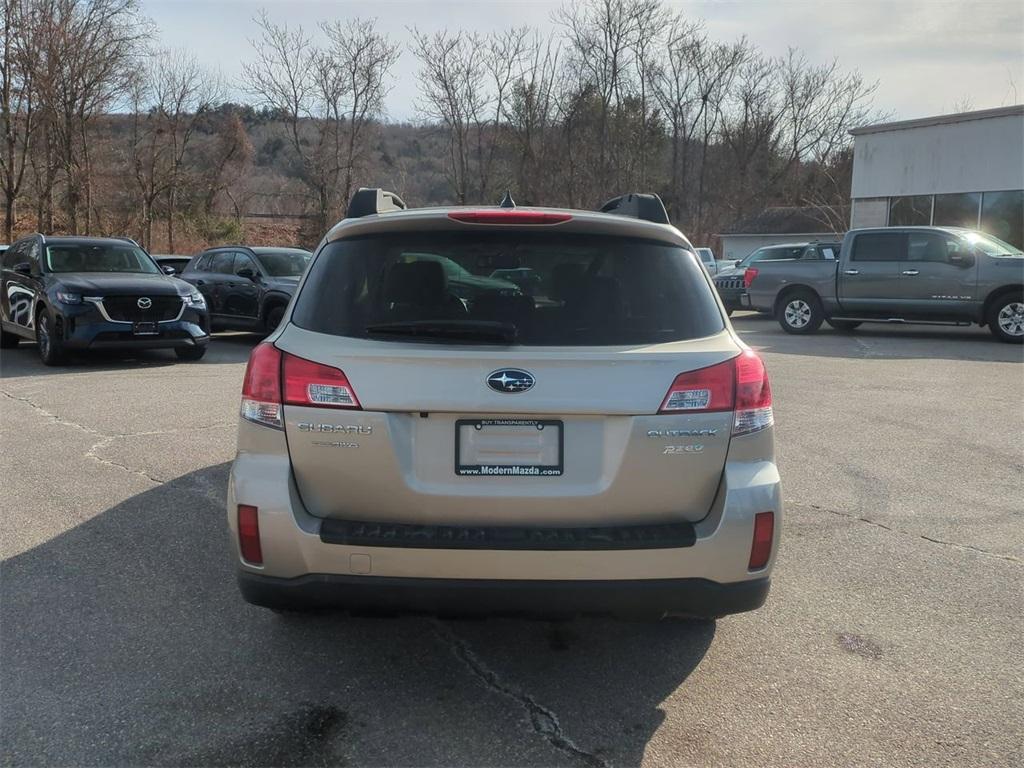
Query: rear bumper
[{"x": 639, "y": 598}]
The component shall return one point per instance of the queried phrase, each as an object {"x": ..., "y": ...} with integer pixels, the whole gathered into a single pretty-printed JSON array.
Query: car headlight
[
  {"x": 69, "y": 298},
  {"x": 195, "y": 299}
]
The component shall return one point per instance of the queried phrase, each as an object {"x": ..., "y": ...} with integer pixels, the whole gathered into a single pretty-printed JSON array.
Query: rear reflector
[
  {"x": 316, "y": 385},
  {"x": 748, "y": 276},
  {"x": 739, "y": 385},
  {"x": 761, "y": 546},
  {"x": 511, "y": 216},
  {"x": 249, "y": 534},
  {"x": 261, "y": 388}
]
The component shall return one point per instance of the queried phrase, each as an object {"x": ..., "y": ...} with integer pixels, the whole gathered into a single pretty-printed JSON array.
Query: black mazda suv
[{"x": 88, "y": 293}]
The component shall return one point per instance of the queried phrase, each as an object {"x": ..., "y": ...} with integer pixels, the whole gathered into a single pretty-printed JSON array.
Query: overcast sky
[{"x": 928, "y": 55}]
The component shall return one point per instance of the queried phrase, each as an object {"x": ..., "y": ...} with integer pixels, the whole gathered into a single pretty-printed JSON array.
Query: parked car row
[{"x": 89, "y": 293}]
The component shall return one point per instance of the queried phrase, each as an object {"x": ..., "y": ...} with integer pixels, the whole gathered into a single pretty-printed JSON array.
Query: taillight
[
  {"x": 704, "y": 391},
  {"x": 748, "y": 276},
  {"x": 739, "y": 385},
  {"x": 261, "y": 388},
  {"x": 510, "y": 216},
  {"x": 761, "y": 545},
  {"x": 249, "y": 534},
  {"x": 317, "y": 385},
  {"x": 753, "y": 395}
]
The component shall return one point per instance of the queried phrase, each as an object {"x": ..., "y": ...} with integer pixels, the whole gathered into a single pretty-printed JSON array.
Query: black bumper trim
[
  {"x": 636, "y": 598},
  {"x": 370, "y": 534}
]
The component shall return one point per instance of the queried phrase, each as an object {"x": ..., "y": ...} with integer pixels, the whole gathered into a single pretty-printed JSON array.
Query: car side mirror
[
  {"x": 168, "y": 270},
  {"x": 961, "y": 259},
  {"x": 23, "y": 268},
  {"x": 247, "y": 273}
]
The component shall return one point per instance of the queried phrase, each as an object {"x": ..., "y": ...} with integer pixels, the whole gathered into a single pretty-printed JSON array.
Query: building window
[
  {"x": 959, "y": 210},
  {"x": 1002, "y": 215},
  {"x": 911, "y": 211}
]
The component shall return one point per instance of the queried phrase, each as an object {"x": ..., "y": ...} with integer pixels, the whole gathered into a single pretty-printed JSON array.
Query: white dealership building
[{"x": 963, "y": 170}]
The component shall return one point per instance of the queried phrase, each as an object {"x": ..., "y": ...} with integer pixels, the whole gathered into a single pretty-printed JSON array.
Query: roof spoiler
[
  {"x": 368, "y": 201},
  {"x": 640, "y": 206}
]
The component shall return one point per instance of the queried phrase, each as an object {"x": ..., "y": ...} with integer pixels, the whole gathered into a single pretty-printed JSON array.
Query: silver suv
[{"x": 513, "y": 410}]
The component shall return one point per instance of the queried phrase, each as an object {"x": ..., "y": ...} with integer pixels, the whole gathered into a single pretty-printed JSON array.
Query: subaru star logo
[
  {"x": 510, "y": 380},
  {"x": 145, "y": 302}
]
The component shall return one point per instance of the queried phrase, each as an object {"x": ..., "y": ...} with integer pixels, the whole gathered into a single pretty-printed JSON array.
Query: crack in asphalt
[
  {"x": 106, "y": 439},
  {"x": 955, "y": 545},
  {"x": 543, "y": 721}
]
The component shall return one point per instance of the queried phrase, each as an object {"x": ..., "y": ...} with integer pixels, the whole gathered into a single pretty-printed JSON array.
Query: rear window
[{"x": 535, "y": 289}]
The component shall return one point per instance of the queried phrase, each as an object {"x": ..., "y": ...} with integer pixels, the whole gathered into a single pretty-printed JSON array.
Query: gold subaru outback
[{"x": 505, "y": 410}]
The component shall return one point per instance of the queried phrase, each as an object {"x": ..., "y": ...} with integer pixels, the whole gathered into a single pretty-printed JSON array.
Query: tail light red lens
[
  {"x": 761, "y": 545},
  {"x": 316, "y": 385},
  {"x": 274, "y": 378},
  {"x": 510, "y": 216},
  {"x": 261, "y": 388},
  {"x": 704, "y": 391},
  {"x": 249, "y": 534},
  {"x": 748, "y": 276},
  {"x": 739, "y": 385},
  {"x": 753, "y": 395}
]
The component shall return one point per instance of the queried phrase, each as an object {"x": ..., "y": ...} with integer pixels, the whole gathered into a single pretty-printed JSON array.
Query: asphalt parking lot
[{"x": 892, "y": 636}]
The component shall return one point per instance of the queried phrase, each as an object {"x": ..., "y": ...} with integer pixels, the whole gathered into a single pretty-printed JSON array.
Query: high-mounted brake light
[
  {"x": 761, "y": 544},
  {"x": 316, "y": 385},
  {"x": 513, "y": 216},
  {"x": 249, "y": 534},
  {"x": 739, "y": 384},
  {"x": 748, "y": 276},
  {"x": 261, "y": 388}
]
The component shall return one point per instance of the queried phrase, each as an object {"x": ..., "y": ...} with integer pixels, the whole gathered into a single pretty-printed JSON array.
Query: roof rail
[
  {"x": 368, "y": 201},
  {"x": 640, "y": 206}
]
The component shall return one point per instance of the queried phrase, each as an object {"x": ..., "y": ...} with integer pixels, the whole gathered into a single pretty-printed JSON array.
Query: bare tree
[
  {"x": 89, "y": 53},
  {"x": 327, "y": 97},
  {"x": 169, "y": 99},
  {"x": 451, "y": 83},
  {"x": 361, "y": 59},
  {"x": 17, "y": 104}
]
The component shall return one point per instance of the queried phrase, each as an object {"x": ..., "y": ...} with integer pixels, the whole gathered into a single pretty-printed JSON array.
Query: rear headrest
[{"x": 417, "y": 282}]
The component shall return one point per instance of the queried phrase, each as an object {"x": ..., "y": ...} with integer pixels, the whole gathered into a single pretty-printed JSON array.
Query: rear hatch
[{"x": 500, "y": 376}]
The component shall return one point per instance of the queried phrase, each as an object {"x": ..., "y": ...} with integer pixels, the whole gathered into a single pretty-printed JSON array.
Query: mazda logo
[
  {"x": 145, "y": 302},
  {"x": 510, "y": 380}
]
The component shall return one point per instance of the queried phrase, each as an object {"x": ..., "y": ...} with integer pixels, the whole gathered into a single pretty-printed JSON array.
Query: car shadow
[
  {"x": 881, "y": 341},
  {"x": 125, "y": 642},
  {"x": 24, "y": 360}
]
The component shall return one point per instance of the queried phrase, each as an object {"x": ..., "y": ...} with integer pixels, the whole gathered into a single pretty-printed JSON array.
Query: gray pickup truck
[{"x": 942, "y": 275}]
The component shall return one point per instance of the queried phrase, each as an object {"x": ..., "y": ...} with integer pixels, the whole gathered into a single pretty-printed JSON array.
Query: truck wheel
[
  {"x": 51, "y": 350},
  {"x": 843, "y": 325},
  {"x": 1006, "y": 318},
  {"x": 800, "y": 312}
]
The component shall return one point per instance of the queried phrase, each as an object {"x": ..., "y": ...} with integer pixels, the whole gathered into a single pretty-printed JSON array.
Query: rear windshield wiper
[{"x": 457, "y": 330}]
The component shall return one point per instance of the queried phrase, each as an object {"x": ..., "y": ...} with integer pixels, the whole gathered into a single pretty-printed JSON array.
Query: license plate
[
  {"x": 508, "y": 447},
  {"x": 145, "y": 329}
]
